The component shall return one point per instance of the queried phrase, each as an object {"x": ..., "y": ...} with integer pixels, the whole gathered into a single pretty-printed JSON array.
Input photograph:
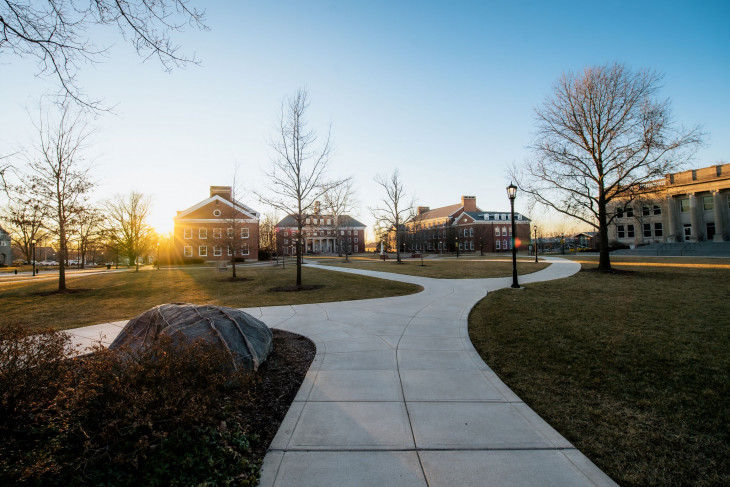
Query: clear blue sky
[{"x": 445, "y": 92}]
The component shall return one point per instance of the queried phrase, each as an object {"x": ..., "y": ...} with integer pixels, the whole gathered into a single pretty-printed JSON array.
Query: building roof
[
  {"x": 345, "y": 221},
  {"x": 237, "y": 205},
  {"x": 443, "y": 212}
]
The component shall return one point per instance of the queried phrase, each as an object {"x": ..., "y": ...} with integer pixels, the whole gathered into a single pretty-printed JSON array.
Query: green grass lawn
[
  {"x": 465, "y": 268},
  {"x": 633, "y": 368},
  {"x": 117, "y": 296}
]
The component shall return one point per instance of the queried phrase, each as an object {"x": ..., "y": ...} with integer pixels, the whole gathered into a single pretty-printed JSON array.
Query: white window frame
[
  {"x": 217, "y": 233},
  {"x": 202, "y": 233},
  {"x": 705, "y": 200},
  {"x": 620, "y": 231},
  {"x": 244, "y": 232},
  {"x": 498, "y": 244},
  {"x": 216, "y": 212},
  {"x": 187, "y": 233},
  {"x": 203, "y": 251},
  {"x": 684, "y": 205},
  {"x": 188, "y": 251},
  {"x": 496, "y": 232},
  {"x": 229, "y": 232},
  {"x": 217, "y": 251},
  {"x": 658, "y": 229},
  {"x": 244, "y": 249},
  {"x": 630, "y": 232}
]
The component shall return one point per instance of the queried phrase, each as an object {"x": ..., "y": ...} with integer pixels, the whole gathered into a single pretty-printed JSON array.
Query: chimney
[
  {"x": 222, "y": 191},
  {"x": 469, "y": 203},
  {"x": 422, "y": 210}
]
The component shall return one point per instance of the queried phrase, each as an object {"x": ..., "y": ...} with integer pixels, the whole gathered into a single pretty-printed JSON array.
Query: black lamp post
[
  {"x": 535, "y": 227},
  {"x": 32, "y": 243},
  {"x": 512, "y": 194},
  {"x": 562, "y": 243},
  {"x": 457, "y": 247}
]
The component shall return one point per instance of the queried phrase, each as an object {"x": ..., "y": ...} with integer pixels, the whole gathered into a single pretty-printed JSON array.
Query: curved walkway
[{"x": 398, "y": 396}]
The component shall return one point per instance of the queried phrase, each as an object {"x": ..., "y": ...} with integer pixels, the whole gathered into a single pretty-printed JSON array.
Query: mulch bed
[
  {"x": 294, "y": 288},
  {"x": 278, "y": 380}
]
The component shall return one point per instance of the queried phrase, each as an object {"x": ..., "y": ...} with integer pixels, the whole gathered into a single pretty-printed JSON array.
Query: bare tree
[
  {"x": 57, "y": 178},
  {"x": 297, "y": 175},
  {"x": 57, "y": 33},
  {"x": 88, "y": 230},
  {"x": 600, "y": 135},
  {"x": 236, "y": 236},
  {"x": 267, "y": 233},
  {"x": 127, "y": 227},
  {"x": 339, "y": 202},
  {"x": 394, "y": 210},
  {"x": 25, "y": 219}
]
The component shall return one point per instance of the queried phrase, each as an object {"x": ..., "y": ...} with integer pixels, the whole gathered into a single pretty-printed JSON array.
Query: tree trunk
[
  {"x": 62, "y": 260},
  {"x": 604, "y": 260},
  {"x": 299, "y": 263}
]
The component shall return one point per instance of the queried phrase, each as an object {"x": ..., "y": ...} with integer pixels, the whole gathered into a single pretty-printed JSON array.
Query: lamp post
[
  {"x": 535, "y": 228},
  {"x": 457, "y": 246},
  {"x": 562, "y": 243},
  {"x": 158, "y": 256},
  {"x": 32, "y": 243},
  {"x": 512, "y": 194}
]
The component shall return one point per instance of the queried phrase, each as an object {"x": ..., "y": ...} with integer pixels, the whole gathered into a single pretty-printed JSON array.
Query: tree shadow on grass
[{"x": 64, "y": 291}]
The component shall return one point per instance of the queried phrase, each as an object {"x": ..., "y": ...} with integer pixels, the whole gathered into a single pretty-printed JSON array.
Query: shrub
[{"x": 162, "y": 416}]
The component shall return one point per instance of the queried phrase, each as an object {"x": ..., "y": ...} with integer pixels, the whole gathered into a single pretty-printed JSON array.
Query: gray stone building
[
  {"x": 688, "y": 206},
  {"x": 6, "y": 250}
]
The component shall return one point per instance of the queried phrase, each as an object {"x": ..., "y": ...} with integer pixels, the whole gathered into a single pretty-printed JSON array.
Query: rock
[{"x": 248, "y": 340}]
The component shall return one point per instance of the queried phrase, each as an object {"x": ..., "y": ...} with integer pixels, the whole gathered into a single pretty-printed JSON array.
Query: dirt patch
[
  {"x": 294, "y": 288},
  {"x": 277, "y": 382}
]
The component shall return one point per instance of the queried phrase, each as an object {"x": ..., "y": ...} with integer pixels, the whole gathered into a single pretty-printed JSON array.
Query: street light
[
  {"x": 457, "y": 246},
  {"x": 32, "y": 243},
  {"x": 535, "y": 227},
  {"x": 512, "y": 194}
]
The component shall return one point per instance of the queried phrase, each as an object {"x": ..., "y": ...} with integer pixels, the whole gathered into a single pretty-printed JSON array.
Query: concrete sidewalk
[{"x": 397, "y": 396}]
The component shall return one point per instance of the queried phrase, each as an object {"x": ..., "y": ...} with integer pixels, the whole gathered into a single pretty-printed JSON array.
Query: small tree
[
  {"x": 600, "y": 135},
  {"x": 58, "y": 179},
  {"x": 338, "y": 202},
  {"x": 127, "y": 227},
  {"x": 394, "y": 210},
  {"x": 25, "y": 219},
  {"x": 88, "y": 231},
  {"x": 297, "y": 175}
]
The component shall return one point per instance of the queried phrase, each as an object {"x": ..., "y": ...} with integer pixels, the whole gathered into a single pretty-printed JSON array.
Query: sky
[{"x": 445, "y": 92}]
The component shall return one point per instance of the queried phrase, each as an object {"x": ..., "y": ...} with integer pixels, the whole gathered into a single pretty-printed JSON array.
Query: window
[
  {"x": 349, "y": 240},
  {"x": 229, "y": 232},
  {"x": 230, "y": 251},
  {"x": 707, "y": 203},
  {"x": 630, "y": 231},
  {"x": 217, "y": 251},
  {"x": 321, "y": 221},
  {"x": 647, "y": 229},
  {"x": 471, "y": 245},
  {"x": 357, "y": 248},
  {"x": 286, "y": 241},
  {"x": 658, "y": 230},
  {"x": 203, "y": 251},
  {"x": 244, "y": 232},
  {"x": 349, "y": 232},
  {"x": 188, "y": 233},
  {"x": 216, "y": 233},
  {"x": 504, "y": 231},
  {"x": 619, "y": 212},
  {"x": 466, "y": 232},
  {"x": 329, "y": 221},
  {"x": 684, "y": 205},
  {"x": 496, "y": 232},
  {"x": 621, "y": 232},
  {"x": 355, "y": 240},
  {"x": 645, "y": 211},
  {"x": 498, "y": 245},
  {"x": 629, "y": 212},
  {"x": 244, "y": 249},
  {"x": 471, "y": 232},
  {"x": 504, "y": 245},
  {"x": 216, "y": 212},
  {"x": 519, "y": 217},
  {"x": 202, "y": 233},
  {"x": 657, "y": 209},
  {"x": 188, "y": 251},
  {"x": 307, "y": 221}
]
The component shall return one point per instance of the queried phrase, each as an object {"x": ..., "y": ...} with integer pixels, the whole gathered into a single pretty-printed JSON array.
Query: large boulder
[{"x": 247, "y": 340}]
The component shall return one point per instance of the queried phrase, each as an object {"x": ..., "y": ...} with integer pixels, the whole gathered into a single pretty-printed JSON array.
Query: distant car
[{"x": 48, "y": 262}]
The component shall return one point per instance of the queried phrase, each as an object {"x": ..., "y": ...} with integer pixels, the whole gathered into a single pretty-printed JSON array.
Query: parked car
[{"x": 48, "y": 262}]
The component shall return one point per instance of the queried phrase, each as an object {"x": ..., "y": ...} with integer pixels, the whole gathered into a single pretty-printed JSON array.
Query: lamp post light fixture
[
  {"x": 32, "y": 243},
  {"x": 512, "y": 194},
  {"x": 457, "y": 247},
  {"x": 535, "y": 228}
]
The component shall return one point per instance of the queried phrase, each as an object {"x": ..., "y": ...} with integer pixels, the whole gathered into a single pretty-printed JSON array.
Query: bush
[{"x": 162, "y": 416}]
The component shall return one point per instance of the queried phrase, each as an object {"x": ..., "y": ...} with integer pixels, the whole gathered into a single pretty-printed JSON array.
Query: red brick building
[
  {"x": 217, "y": 229},
  {"x": 466, "y": 226},
  {"x": 321, "y": 234}
]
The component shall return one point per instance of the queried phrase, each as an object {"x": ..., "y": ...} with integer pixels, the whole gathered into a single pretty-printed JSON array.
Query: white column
[
  {"x": 694, "y": 215},
  {"x": 719, "y": 221}
]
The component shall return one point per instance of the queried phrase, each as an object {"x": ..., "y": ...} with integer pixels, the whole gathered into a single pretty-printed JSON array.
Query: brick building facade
[
  {"x": 217, "y": 229},
  {"x": 688, "y": 206},
  {"x": 321, "y": 233},
  {"x": 466, "y": 227}
]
